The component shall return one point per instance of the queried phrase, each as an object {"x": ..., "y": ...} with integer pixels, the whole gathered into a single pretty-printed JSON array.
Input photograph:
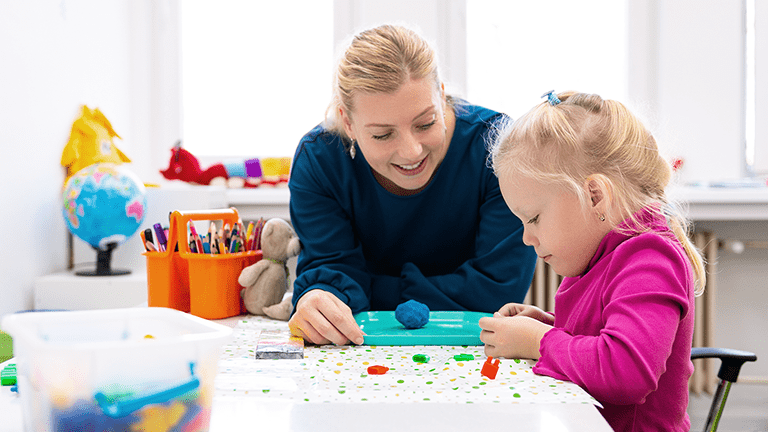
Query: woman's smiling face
[{"x": 403, "y": 135}]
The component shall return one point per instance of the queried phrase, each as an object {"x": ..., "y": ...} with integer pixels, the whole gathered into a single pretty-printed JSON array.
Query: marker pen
[{"x": 162, "y": 241}]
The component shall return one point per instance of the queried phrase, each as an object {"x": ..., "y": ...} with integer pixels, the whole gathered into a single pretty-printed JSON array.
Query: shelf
[
  {"x": 701, "y": 202},
  {"x": 71, "y": 292},
  {"x": 721, "y": 203}
]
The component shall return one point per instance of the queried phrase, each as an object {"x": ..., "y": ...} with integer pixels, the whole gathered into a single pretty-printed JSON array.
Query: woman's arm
[{"x": 330, "y": 269}]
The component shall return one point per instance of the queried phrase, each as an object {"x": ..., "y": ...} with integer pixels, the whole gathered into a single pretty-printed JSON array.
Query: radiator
[
  {"x": 546, "y": 281},
  {"x": 704, "y": 376}
]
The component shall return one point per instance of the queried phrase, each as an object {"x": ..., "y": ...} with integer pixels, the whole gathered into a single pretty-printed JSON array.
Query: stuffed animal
[
  {"x": 90, "y": 142},
  {"x": 184, "y": 166},
  {"x": 266, "y": 281}
]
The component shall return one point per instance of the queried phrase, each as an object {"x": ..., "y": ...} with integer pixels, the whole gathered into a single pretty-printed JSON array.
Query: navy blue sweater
[{"x": 453, "y": 246}]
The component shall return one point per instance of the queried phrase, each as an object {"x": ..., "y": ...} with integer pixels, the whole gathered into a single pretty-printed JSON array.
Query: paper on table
[{"x": 339, "y": 374}]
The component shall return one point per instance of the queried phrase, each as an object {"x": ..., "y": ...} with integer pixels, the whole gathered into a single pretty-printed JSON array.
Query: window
[
  {"x": 255, "y": 75},
  {"x": 518, "y": 50},
  {"x": 756, "y": 61}
]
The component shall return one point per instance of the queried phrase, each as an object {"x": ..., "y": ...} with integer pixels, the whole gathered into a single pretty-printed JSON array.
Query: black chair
[{"x": 730, "y": 365}]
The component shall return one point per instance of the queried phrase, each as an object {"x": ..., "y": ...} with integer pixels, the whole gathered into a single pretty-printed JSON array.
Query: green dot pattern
[{"x": 425, "y": 374}]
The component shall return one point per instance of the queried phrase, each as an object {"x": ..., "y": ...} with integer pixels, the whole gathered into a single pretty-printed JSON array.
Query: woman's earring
[
  {"x": 602, "y": 218},
  {"x": 352, "y": 151}
]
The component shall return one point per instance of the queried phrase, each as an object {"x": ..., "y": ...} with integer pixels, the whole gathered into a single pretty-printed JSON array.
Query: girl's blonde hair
[
  {"x": 585, "y": 137},
  {"x": 379, "y": 60}
]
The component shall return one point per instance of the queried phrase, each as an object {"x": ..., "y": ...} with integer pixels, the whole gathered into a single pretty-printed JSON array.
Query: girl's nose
[{"x": 529, "y": 239}]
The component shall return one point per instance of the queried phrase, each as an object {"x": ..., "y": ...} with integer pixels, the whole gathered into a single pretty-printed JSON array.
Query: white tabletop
[
  {"x": 329, "y": 389},
  {"x": 387, "y": 417}
]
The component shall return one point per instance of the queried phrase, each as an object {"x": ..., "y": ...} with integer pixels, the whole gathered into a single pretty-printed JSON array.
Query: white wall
[
  {"x": 441, "y": 22},
  {"x": 57, "y": 55},
  {"x": 118, "y": 55},
  {"x": 761, "y": 87},
  {"x": 741, "y": 297},
  {"x": 687, "y": 78}
]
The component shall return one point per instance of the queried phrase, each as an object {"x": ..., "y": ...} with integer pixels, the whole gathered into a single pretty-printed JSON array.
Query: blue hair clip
[{"x": 551, "y": 97}]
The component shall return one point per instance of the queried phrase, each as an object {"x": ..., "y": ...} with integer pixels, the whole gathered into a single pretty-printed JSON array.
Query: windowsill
[
  {"x": 723, "y": 203},
  {"x": 702, "y": 202},
  {"x": 263, "y": 202},
  {"x": 261, "y": 195}
]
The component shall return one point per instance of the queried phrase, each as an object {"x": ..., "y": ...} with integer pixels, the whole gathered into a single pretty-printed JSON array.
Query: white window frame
[{"x": 694, "y": 103}]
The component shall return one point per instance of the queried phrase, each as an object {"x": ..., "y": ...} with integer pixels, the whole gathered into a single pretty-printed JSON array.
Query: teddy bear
[{"x": 266, "y": 282}]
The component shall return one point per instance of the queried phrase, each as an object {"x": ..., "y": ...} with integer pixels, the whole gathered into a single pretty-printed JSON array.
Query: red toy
[
  {"x": 490, "y": 368},
  {"x": 377, "y": 370},
  {"x": 184, "y": 166}
]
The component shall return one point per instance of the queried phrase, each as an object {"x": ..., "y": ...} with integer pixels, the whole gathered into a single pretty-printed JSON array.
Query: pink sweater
[{"x": 624, "y": 329}]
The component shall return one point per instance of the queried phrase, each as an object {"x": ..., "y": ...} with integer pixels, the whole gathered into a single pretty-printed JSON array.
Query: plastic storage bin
[
  {"x": 201, "y": 284},
  {"x": 118, "y": 369}
]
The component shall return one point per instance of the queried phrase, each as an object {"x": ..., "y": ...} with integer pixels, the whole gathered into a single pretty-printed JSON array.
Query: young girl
[{"x": 586, "y": 179}]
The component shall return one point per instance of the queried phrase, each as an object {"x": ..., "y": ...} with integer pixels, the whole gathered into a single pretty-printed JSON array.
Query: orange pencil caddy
[{"x": 202, "y": 284}]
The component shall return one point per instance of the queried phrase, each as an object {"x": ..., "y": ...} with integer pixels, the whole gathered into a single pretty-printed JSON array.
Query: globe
[{"x": 104, "y": 204}]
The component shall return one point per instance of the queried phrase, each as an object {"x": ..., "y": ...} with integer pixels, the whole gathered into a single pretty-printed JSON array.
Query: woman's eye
[
  {"x": 534, "y": 219},
  {"x": 426, "y": 126},
  {"x": 382, "y": 137}
]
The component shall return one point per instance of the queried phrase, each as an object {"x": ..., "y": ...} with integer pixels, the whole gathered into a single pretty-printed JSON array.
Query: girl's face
[
  {"x": 403, "y": 135},
  {"x": 563, "y": 232}
]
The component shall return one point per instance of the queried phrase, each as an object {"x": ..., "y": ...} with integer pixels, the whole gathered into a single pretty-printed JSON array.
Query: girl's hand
[
  {"x": 517, "y": 309},
  {"x": 518, "y": 336},
  {"x": 321, "y": 318}
]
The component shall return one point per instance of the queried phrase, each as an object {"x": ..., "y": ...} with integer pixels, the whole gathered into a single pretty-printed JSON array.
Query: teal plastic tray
[{"x": 443, "y": 328}]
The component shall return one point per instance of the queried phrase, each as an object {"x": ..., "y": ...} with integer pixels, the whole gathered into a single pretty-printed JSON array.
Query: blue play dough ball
[{"x": 412, "y": 314}]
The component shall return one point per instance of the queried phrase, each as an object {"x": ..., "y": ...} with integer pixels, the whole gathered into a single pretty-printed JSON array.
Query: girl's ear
[{"x": 599, "y": 189}]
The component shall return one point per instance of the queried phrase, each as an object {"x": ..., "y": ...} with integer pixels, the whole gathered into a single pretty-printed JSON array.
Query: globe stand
[{"x": 103, "y": 264}]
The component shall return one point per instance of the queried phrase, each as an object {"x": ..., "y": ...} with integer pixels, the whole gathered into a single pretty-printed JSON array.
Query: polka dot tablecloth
[{"x": 340, "y": 374}]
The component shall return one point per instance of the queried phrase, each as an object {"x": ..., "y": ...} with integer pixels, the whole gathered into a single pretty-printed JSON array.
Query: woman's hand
[
  {"x": 517, "y": 309},
  {"x": 517, "y": 335},
  {"x": 321, "y": 318}
]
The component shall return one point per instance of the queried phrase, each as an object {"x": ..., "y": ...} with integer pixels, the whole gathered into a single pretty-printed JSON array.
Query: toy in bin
[
  {"x": 120, "y": 369},
  {"x": 203, "y": 284}
]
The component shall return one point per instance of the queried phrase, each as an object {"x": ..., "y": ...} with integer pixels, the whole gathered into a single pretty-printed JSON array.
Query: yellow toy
[
  {"x": 90, "y": 142},
  {"x": 275, "y": 170}
]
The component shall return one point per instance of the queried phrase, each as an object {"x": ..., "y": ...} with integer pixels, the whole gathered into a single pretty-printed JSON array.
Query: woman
[{"x": 393, "y": 199}]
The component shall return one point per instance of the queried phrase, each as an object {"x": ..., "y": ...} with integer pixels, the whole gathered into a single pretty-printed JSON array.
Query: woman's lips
[{"x": 412, "y": 170}]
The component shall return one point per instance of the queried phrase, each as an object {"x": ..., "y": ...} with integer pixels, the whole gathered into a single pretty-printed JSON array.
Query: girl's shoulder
[{"x": 653, "y": 254}]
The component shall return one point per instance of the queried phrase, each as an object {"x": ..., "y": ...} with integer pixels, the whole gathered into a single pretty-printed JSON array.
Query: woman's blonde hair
[
  {"x": 379, "y": 60},
  {"x": 585, "y": 137}
]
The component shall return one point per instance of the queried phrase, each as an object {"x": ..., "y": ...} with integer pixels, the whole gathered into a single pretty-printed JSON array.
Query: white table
[
  {"x": 330, "y": 390},
  {"x": 325, "y": 391},
  {"x": 333, "y": 417}
]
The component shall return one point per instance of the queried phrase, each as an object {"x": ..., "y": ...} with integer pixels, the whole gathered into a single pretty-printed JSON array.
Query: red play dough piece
[{"x": 377, "y": 370}]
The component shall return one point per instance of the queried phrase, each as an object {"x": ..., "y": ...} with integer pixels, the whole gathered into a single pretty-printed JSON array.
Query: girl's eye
[
  {"x": 426, "y": 126},
  {"x": 534, "y": 219}
]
